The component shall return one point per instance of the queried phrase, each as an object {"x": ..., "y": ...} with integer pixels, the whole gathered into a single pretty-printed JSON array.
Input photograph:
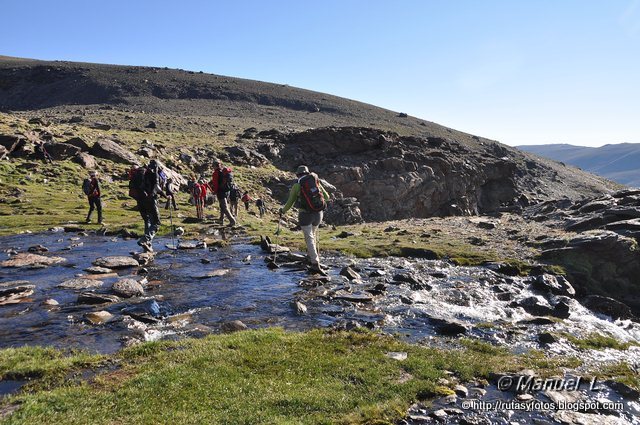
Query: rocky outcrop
[
  {"x": 395, "y": 177},
  {"x": 108, "y": 149}
]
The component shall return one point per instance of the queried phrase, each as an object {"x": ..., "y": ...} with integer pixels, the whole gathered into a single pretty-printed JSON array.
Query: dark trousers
[
  {"x": 95, "y": 203},
  {"x": 148, "y": 208},
  {"x": 171, "y": 201}
]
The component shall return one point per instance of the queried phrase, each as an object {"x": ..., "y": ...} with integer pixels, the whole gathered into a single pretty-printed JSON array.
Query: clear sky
[{"x": 518, "y": 71}]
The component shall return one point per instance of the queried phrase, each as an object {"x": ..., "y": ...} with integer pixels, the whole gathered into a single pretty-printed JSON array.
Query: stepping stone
[
  {"x": 116, "y": 262},
  {"x": 31, "y": 260},
  {"x": 80, "y": 283},
  {"x": 93, "y": 298}
]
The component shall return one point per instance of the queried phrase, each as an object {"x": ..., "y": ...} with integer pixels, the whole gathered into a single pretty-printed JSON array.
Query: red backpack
[{"x": 311, "y": 193}]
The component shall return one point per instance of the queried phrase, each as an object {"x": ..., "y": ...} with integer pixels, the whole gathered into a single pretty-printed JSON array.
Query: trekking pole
[
  {"x": 173, "y": 230},
  {"x": 275, "y": 252}
]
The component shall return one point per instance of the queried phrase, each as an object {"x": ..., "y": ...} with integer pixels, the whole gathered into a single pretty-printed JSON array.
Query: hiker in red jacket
[
  {"x": 93, "y": 193},
  {"x": 221, "y": 184}
]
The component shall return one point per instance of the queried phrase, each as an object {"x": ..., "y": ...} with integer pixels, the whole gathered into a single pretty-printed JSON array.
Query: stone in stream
[
  {"x": 116, "y": 262},
  {"x": 95, "y": 298},
  {"x": 299, "y": 307},
  {"x": 546, "y": 338},
  {"x": 31, "y": 260},
  {"x": 15, "y": 294},
  {"x": 98, "y": 317},
  {"x": 356, "y": 297},
  {"x": 127, "y": 288},
  {"x": 349, "y": 273},
  {"x": 557, "y": 285},
  {"x": 148, "y": 311},
  {"x": 98, "y": 270},
  {"x": 448, "y": 327},
  {"x": 214, "y": 273},
  {"x": 144, "y": 258},
  {"x": 461, "y": 391},
  {"x": 233, "y": 326},
  {"x": 608, "y": 306},
  {"x": 415, "y": 282},
  {"x": 80, "y": 283},
  {"x": 38, "y": 248},
  {"x": 50, "y": 302}
]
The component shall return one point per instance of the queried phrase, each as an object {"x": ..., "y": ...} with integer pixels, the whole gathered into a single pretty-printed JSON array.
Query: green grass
[
  {"x": 596, "y": 341},
  {"x": 262, "y": 376}
]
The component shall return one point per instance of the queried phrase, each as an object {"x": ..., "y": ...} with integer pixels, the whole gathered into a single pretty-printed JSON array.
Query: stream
[{"x": 195, "y": 292}]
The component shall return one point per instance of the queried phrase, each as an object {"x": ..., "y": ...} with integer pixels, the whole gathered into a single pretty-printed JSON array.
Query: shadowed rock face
[{"x": 395, "y": 177}]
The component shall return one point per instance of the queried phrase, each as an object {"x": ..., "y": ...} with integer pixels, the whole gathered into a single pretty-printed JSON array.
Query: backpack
[
  {"x": 86, "y": 186},
  {"x": 136, "y": 182},
  {"x": 227, "y": 181},
  {"x": 311, "y": 193},
  {"x": 234, "y": 195}
]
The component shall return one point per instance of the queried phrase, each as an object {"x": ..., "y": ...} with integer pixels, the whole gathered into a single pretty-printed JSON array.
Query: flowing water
[{"x": 180, "y": 300}]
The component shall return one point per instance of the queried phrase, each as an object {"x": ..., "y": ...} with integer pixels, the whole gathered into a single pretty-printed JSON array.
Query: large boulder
[
  {"x": 61, "y": 150},
  {"x": 108, "y": 149},
  {"x": 127, "y": 288},
  {"x": 601, "y": 263},
  {"x": 79, "y": 143},
  {"x": 86, "y": 160}
]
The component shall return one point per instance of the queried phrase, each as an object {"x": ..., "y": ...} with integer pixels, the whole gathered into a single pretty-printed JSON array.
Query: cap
[{"x": 302, "y": 170}]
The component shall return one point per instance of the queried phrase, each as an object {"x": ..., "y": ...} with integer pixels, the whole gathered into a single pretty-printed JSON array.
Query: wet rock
[
  {"x": 355, "y": 297},
  {"x": 608, "y": 306},
  {"x": 31, "y": 260},
  {"x": 557, "y": 285},
  {"x": 233, "y": 326},
  {"x": 538, "y": 321},
  {"x": 349, "y": 273},
  {"x": 503, "y": 268},
  {"x": 448, "y": 327},
  {"x": 299, "y": 308},
  {"x": 213, "y": 273},
  {"x": 95, "y": 298},
  {"x": 477, "y": 392},
  {"x": 461, "y": 391},
  {"x": 546, "y": 338},
  {"x": 416, "y": 282},
  {"x": 148, "y": 311},
  {"x": 379, "y": 289},
  {"x": 98, "y": 270},
  {"x": 98, "y": 317},
  {"x": 205, "y": 261},
  {"x": 38, "y": 248},
  {"x": 144, "y": 258},
  {"x": 128, "y": 288},
  {"x": 116, "y": 262},
  {"x": 15, "y": 294},
  {"x": 50, "y": 302},
  {"x": 571, "y": 417},
  {"x": 378, "y": 273},
  {"x": 80, "y": 283},
  {"x": 623, "y": 389},
  {"x": 110, "y": 150}
]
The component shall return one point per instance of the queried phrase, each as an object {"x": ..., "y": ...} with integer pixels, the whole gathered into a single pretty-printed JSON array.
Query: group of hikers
[{"x": 148, "y": 183}]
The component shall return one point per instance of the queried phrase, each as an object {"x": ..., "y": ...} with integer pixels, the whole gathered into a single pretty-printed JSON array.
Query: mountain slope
[
  {"x": 200, "y": 114},
  {"x": 617, "y": 162}
]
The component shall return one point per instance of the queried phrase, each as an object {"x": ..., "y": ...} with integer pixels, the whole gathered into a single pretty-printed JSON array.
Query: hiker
[
  {"x": 234, "y": 197},
  {"x": 311, "y": 200},
  {"x": 202, "y": 189},
  {"x": 262, "y": 207},
  {"x": 221, "y": 184},
  {"x": 91, "y": 188},
  {"x": 144, "y": 187},
  {"x": 171, "y": 199},
  {"x": 246, "y": 199},
  {"x": 41, "y": 152}
]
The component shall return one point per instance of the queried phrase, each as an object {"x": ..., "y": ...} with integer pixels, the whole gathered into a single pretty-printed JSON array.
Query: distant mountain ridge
[{"x": 617, "y": 162}]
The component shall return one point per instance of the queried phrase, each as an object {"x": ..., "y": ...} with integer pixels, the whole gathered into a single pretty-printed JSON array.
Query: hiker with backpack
[
  {"x": 262, "y": 207},
  {"x": 145, "y": 185},
  {"x": 171, "y": 199},
  {"x": 246, "y": 199},
  {"x": 221, "y": 184},
  {"x": 234, "y": 198},
  {"x": 91, "y": 188},
  {"x": 311, "y": 199}
]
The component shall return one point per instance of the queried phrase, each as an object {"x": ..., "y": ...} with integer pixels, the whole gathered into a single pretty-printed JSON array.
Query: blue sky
[{"x": 521, "y": 72}]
